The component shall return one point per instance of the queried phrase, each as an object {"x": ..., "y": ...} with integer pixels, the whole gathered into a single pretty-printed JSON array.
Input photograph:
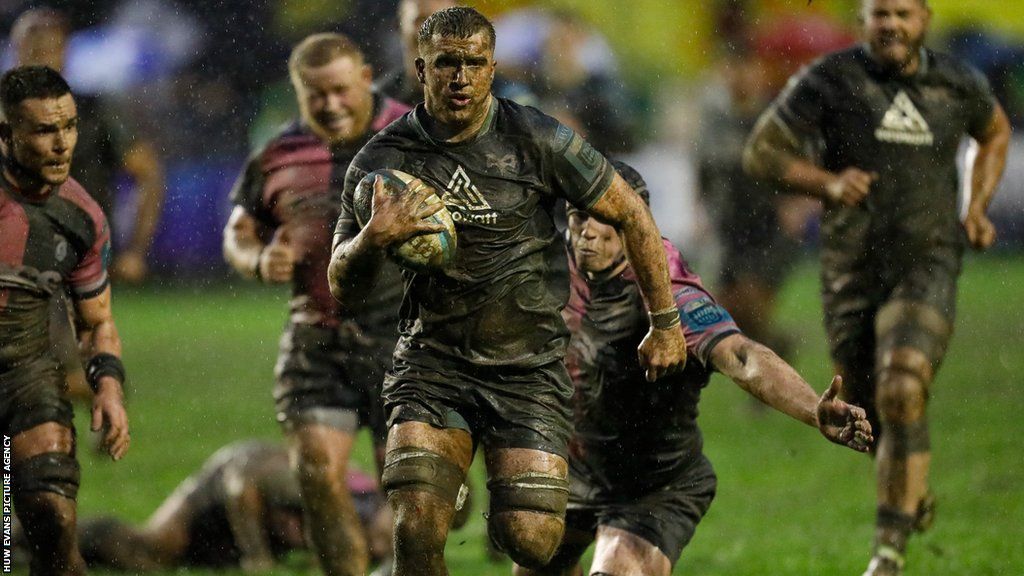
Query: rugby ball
[{"x": 423, "y": 252}]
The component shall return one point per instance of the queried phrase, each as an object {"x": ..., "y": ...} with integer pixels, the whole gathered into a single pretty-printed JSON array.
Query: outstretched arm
[
  {"x": 101, "y": 348},
  {"x": 764, "y": 375},
  {"x": 356, "y": 261},
  {"x": 663, "y": 350},
  {"x": 774, "y": 152},
  {"x": 988, "y": 168}
]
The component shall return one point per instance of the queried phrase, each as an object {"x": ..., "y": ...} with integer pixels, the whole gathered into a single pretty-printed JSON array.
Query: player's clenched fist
[
  {"x": 850, "y": 186},
  {"x": 980, "y": 231},
  {"x": 662, "y": 352},
  {"x": 277, "y": 263}
]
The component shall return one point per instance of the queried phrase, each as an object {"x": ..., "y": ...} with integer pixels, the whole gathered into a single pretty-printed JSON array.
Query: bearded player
[
  {"x": 480, "y": 355},
  {"x": 890, "y": 114},
  {"x": 640, "y": 482},
  {"x": 332, "y": 358},
  {"x": 53, "y": 237}
]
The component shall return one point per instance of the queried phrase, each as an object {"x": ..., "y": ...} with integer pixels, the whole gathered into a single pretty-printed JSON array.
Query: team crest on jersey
[
  {"x": 507, "y": 164},
  {"x": 702, "y": 313},
  {"x": 60, "y": 247},
  {"x": 465, "y": 201},
  {"x": 903, "y": 124}
]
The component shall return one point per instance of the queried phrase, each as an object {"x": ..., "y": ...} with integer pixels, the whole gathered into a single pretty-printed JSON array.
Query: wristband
[
  {"x": 665, "y": 319},
  {"x": 103, "y": 364}
]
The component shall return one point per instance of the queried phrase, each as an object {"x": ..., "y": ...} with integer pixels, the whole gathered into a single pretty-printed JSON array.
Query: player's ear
[
  {"x": 421, "y": 65},
  {"x": 367, "y": 73}
]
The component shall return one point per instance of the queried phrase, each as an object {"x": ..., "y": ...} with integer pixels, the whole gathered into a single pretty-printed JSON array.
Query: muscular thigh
[{"x": 33, "y": 394}]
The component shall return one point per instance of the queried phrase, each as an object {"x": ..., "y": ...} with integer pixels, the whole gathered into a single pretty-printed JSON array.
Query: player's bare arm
[
  {"x": 761, "y": 372},
  {"x": 356, "y": 261},
  {"x": 244, "y": 507},
  {"x": 142, "y": 163},
  {"x": 663, "y": 350},
  {"x": 774, "y": 152},
  {"x": 101, "y": 347},
  {"x": 988, "y": 168},
  {"x": 249, "y": 256}
]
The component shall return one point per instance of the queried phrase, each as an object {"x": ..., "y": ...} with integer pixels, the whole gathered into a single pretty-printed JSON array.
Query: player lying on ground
[
  {"x": 639, "y": 481},
  {"x": 241, "y": 509}
]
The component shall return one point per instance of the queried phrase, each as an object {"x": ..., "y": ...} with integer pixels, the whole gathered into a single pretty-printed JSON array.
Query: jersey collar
[{"x": 417, "y": 123}]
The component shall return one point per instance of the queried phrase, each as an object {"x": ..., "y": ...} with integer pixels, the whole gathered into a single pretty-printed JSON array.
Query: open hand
[
  {"x": 397, "y": 217},
  {"x": 109, "y": 415},
  {"x": 843, "y": 423}
]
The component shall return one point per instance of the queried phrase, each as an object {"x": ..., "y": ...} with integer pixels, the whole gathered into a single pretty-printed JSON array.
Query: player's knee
[
  {"x": 51, "y": 472},
  {"x": 529, "y": 538},
  {"x": 903, "y": 387},
  {"x": 527, "y": 516},
  {"x": 420, "y": 525}
]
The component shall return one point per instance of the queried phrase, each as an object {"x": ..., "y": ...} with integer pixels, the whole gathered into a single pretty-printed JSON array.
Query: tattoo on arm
[{"x": 354, "y": 268}]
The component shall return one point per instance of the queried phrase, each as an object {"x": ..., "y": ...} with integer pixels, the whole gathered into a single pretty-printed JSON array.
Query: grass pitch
[{"x": 200, "y": 359}]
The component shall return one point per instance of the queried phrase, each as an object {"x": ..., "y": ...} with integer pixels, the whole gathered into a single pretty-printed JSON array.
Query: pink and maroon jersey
[
  {"x": 623, "y": 423},
  {"x": 48, "y": 244},
  {"x": 293, "y": 188}
]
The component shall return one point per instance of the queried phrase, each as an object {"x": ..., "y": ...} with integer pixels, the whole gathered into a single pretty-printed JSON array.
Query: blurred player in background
[
  {"x": 332, "y": 358},
  {"x": 40, "y": 36},
  {"x": 891, "y": 114},
  {"x": 53, "y": 236},
  {"x": 759, "y": 230},
  {"x": 480, "y": 356},
  {"x": 241, "y": 509},
  {"x": 401, "y": 82},
  {"x": 639, "y": 481}
]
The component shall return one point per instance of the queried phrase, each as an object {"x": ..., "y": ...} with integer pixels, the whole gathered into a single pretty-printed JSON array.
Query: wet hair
[
  {"x": 455, "y": 22},
  {"x": 322, "y": 49},
  {"x": 27, "y": 82},
  {"x": 37, "y": 19},
  {"x": 634, "y": 179}
]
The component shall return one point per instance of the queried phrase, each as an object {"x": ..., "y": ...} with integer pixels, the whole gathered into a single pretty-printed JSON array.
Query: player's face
[
  {"x": 457, "y": 74},
  {"x": 895, "y": 30},
  {"x": 595, "y": 245},
  {"x": 336, "y": 99},
  {"x": 41, "y": 137}
]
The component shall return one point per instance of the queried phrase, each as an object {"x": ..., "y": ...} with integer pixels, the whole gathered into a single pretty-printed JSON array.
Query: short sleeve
[
  {"x": 801, "y": 104},
  {"x": 705, "y": 322},
  {"x": 979, "y": 103},
  {"x": 89, "y": 278},
  {"x": 247, "y": 191},
  {"x": 579, "y": 173}
]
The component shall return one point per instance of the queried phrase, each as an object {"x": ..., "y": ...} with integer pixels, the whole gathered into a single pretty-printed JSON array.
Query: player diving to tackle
[
  {"x": 480, "y": 357},
  {"x": 639, "y": 481}
]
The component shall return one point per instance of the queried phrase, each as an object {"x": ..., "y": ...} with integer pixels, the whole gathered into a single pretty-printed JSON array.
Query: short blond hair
[{"x": 322, "y": 49}]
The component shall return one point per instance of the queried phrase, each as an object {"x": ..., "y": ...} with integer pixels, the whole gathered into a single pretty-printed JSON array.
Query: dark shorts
[
  {"x": 871, "y": 311},
  {"x": 767, "y": 261},
  {"x": 33, "y": 394},
  {"x": 331, "y": 376},
  {"x": 501, "y": 407},
  {"x": 666, "y": 516}
]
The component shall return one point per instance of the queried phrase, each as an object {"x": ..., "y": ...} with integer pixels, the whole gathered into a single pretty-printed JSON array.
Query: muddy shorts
[
  {"x": 666, "y": 516},
  {"x": 32, "y": 394},
  {"x": 869, "y": 311},
  {"x": 331, "y": 376},
  {"x": 501, "y": 407}
]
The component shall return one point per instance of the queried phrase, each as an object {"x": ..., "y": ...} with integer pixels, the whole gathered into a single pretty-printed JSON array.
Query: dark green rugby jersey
[
  {"x": 498, "y": 304},
  {"x": 907, "y": 129}
]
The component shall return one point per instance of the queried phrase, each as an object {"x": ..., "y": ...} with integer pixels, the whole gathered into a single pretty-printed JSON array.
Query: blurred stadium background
[{"x": 206, "y": 81}]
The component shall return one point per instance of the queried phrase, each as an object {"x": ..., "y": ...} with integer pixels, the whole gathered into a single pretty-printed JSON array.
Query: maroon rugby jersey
[
  {"x": 624, "y": 424},
  {"x": 47, "y": 244},
  {"x": 293, "y": 188}
]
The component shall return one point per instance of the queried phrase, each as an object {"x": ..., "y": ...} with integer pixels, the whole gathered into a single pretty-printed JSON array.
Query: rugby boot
[{"x": 887, "y": 561}]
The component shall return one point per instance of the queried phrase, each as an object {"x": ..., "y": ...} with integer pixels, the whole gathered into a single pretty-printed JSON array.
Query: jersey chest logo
[
  {"x": 465, "y": 201},
  {"x": 60, "y": 247},
  {"x": 903, "y": 124}
]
